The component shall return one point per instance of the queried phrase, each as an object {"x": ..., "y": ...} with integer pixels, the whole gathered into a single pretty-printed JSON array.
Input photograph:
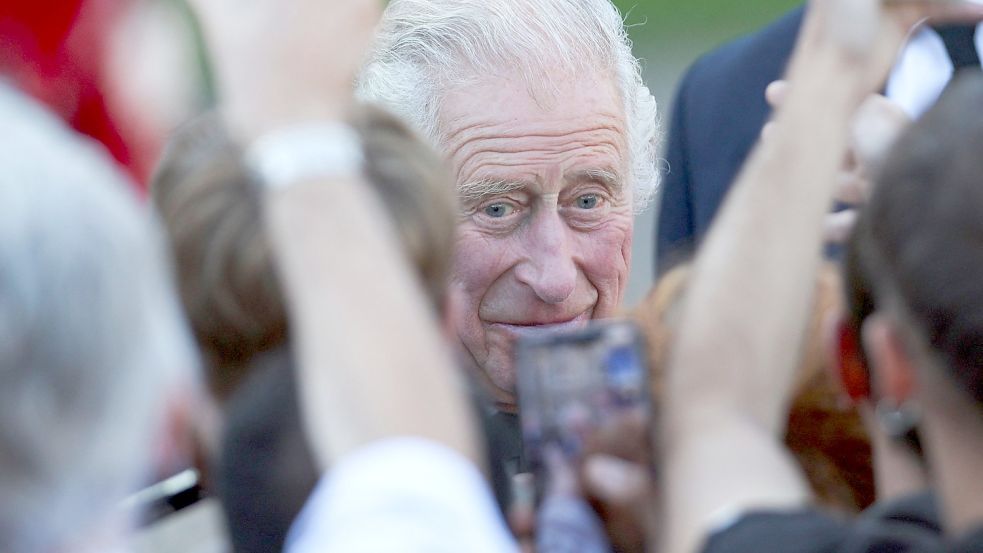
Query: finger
[
  {"x": 939, "y": 11},
  {"x": 522, "y": 521},
  {"x": 561, "y": 472},
  {"x": 522, "y": 511},
  {"x": 625, "y": 435},
  {"x": 852, "y": 188},
  {"x": 907, "y": 14},
  {"x": 876, "y": 127},
  {"x": 615, "y": 481},
  {"x": 838, "y": 226},
  {"x": 768, "y": 131},
  {"x": 855, "y": 20},
  {"x": 776, "y": 92}
]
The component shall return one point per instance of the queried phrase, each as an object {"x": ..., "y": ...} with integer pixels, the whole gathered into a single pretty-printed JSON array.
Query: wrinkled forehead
[
  {"x": 541, "y": 91},
  {"x": 505, "y": 107}
]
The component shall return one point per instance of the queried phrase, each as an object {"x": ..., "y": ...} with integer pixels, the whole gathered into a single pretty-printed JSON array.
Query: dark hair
[
  {"x": 266, "y": 469},
  {"x": 920, "y": 240},
  {"x": 211, "y": 206}
]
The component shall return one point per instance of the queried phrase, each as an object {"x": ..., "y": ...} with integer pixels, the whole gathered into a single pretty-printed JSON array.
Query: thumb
[
  {"x": 613, "y": 480},
  {"x": 775, "y": 93}
]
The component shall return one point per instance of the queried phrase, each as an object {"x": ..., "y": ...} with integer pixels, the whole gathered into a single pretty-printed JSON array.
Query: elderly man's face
[{"x": 546, "y": 226}]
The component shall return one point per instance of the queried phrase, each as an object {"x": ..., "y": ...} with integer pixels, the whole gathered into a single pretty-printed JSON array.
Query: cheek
[
  {"x": 607, "y": 254},
  {"x": 478, "y": 262}
]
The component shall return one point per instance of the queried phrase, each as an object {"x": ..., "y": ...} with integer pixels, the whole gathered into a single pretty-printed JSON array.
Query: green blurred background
[{"x": 669, "y": 35}]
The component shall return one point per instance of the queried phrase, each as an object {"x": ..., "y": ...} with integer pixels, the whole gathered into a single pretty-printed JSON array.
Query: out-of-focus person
[
  {"x": 909, "y": 346},
  {"x": 153, "y": 55},
  {"x": 94, "y": 354},
  {"x": 720, "y": 109},
  {"x": 729, "y": 484},
  {"x": 825, "y": 434},
  {"x": 211, "y": 203}
]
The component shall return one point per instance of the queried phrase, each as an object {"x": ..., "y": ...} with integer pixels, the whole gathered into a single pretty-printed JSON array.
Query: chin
[
  {"x": 500, "y": 378},
  {"x": 503, "y": 379},
  {"x": 605, "y": 310}
]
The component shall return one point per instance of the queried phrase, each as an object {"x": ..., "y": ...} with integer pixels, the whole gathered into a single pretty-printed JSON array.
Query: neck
[
  {"x": 954, "y": 454},
  {"x": 502, "y": 400},
  {"x": 898, "y": 471}
]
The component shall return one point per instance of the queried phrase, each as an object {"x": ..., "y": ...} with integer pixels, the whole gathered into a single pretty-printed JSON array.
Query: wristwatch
[{"x": 305, "y": 152}]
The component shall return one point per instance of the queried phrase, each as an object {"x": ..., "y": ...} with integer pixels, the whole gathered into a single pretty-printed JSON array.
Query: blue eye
[
  {"x": 499, "y": 210},
  {"x": 587, "y": 201}
]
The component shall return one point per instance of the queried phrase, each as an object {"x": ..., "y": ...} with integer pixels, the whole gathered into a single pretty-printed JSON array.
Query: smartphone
[{"x": 571, "y": 384}]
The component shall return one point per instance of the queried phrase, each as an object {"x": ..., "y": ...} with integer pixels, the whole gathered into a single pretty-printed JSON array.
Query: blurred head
[
  {"x": 914, "y": 333},
  {"x": 92, "y": 344},
  {"x": 212, "y": 208},
  {"x": 826, "y": 437},
  {"x": 211, "y": 205},
  {"x": 540, "y": 110}
]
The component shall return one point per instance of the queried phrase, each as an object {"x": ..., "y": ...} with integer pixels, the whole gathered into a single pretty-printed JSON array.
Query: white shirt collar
[{"x": 922, "y": 72}]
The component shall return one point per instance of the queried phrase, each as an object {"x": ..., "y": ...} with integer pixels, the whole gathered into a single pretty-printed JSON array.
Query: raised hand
[
  {"x": 869, "y": 33},
  {"x": 876, "y": 125},
  {"x": 283, "y": 61}
]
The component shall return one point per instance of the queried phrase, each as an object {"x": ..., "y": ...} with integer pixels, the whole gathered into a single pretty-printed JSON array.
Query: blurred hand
[
  {"x": 617, "y": 480},
  {"x": 522, "y": 512},
  {"x": 876, "y": 125},
  {"x": 868, "y": 34},
  {"x": 862, "y": 39},
  {"x": 282, "y": 61}
]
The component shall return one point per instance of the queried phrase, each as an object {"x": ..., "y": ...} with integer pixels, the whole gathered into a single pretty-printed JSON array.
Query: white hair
[
  {"x": 423, "y": 46},
  {"x": 91, "y": 336}
]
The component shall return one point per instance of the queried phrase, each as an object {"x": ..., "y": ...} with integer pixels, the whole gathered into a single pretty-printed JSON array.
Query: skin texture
[{"x": 551, "y": 242}]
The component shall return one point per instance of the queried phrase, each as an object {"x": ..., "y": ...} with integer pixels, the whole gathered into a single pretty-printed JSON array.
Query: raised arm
[
  {"x": 371, "y": 360},
  {"x": 752, "y": 283}
]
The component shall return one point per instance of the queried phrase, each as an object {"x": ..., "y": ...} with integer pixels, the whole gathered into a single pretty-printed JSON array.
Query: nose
[{"x": 548, "y": 268}]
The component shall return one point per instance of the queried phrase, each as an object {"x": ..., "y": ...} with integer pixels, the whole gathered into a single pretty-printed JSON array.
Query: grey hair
[
  {"x": 91, "y": 337},
  {"x": 423, "y": 46}
]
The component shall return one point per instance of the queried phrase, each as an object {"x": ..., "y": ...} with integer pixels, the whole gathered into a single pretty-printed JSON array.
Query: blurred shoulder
[{"x": 752, "y": 58}]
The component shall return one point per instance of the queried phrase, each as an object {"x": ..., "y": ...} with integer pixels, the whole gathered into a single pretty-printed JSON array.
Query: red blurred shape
[{"x": 55, "y": 51}]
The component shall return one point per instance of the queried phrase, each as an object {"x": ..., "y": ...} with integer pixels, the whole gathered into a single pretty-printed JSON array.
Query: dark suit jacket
[
  {"x": 719, "y": 112},
  {"x": 905, "y": 525}
]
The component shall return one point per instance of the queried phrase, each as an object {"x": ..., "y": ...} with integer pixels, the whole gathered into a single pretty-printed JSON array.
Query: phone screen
[{"x": 571, "y": 385}]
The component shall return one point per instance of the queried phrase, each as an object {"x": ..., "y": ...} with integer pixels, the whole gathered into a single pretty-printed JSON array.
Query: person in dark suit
[{"x": 720, "y": 109}]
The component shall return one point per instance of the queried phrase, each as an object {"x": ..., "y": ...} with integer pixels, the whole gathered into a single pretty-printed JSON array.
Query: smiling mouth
[{"x": 538, "y": 329}]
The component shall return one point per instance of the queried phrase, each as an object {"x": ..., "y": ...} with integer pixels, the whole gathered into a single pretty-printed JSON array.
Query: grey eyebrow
[
  {"x": 477, "y": 190},
  {"x": 608, "y": 178}
]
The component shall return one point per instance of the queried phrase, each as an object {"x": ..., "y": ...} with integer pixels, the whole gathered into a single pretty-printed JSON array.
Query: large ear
[
  {"x": 890, "y": 361},
  {"x": 845, "y": 357}
]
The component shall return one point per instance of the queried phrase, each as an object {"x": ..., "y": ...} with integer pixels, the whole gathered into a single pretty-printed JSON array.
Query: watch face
[{"x": 303, "y": 153}]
